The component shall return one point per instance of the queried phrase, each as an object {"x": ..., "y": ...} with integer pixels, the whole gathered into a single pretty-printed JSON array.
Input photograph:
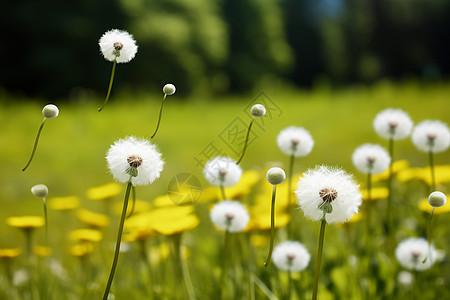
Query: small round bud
[
  {"x": 275, "y": 176},
  {"x": 437, "y": 199},
  {"x": 258, "y": 110},
  {"x": 169, "y": 89},
  {"x": 50, "y": 111},
  {"x": 40, "y": 190}
]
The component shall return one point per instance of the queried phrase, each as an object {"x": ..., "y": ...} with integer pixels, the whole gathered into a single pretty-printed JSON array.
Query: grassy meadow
[{"x": 185, "y": 262}]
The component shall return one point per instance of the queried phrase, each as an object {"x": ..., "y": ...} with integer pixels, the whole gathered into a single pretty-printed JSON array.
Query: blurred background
[{"x": 222, "y": 46}]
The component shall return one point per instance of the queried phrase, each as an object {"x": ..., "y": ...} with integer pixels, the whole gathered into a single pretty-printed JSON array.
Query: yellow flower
[
  {"x": 9, "y": 252},
  {"x": 178, "y": 225},
  {"x": 159, "y": 253},
  {"x": 426, "y": 207},
  {"x": 26, "y": 222},
  {"x": 377, "y": 193},
  {"x": 442, "y": 174},
  {"x": 42, "y": 251},
  {"x": 397, "y": 166},
  {"x": 64, "y": 203},
  {"x": 259, "y": 240},
  {"x": 86, "y": 235},
  {"x": 262, "y": 221},
  {"x": 139, "y": 207},
  {"x": 80, "y": 250},
  {"x": 92, "y": 219},
  {"x": 104, "y": 192}
]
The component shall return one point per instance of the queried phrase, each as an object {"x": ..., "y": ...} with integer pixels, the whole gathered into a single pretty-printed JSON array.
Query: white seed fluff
[
  {"x": 112, "y": 40},
  {"x": 393, "y": 123},
  {"x": 371, "y": 159},
  {"x": 222, "y": 171},
  {"x": 437, "y": 199},
  {"x": 119, "y": 153},
  {"x": 295, "y": 141},
  {"x": 346, "y": 203},
  {"x": 258, "y": 110},
  {"x": 411, "y": 252},
  {"x": 229, "y": 216},
  {"x": 275, "y": 176},
  {"x": 291, "y": 256},
  {"x": 50, "y": 111},
  {"x": 169, "y": 89},
  {"x": 431, "y": 135},
  {"x": 40, "y": 190}
]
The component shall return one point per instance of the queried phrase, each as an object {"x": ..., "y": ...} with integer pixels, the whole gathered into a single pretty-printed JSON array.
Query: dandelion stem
[
  {"x": 319, "y": 257},
  {"x": 45, "y": 218},
  {"x": 430, "y": 219},
  {"x": 159, "y": 116},
  {"x": 119, "y": 238},
  {"x": 433, "y": 177},
  {"x": 272, "y": 226},
  {"x": 133, "y": 204},
  {"x": 110, "y": 85},
  {"x": 389, "y": 199},
  {"x": 35, "y": 144},
  {"x": 224, "y": 259},
  {"x": 222, "y": 192},
  {"x": 182, "y": 267},
  {"x": 246, "y": 140},
  {"x": 289, "y": 192},
  {"x": 289, "y": 291}
]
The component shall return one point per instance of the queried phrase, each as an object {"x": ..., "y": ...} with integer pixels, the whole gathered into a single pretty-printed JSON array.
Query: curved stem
[
  {"x": 110, "y": 85},
  {"x": 319, "y": 258},
  {"x": 433, "y": 178},
  {"x": 429, "y": 234},
  {"x": 35, "y": 144},
  {"x": 159, "y": 117},
  {"x": 118, "y": 241},
  {"x": 272, "y": 226},
  {"x": 246, "y": 140}
]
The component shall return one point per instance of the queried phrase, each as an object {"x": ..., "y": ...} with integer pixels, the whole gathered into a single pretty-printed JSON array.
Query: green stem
[
  {"x": 159, "y": 117},
  {"x": 319, "y": 257},
  {"x": 289, "y": 192},
  {"x": 246, "y": 140},
  {"x": 224, "y": 259},
  {"x": 272, "y": 226},
  {"x": 222, "y": 192},
  {"x": 429, "y": 234},
  {"x": 45, "y": 218},
  {"x": 110, "y": 85},
  {"x": 289, "y": 291},
  {"x": 133, "y": 203},
  {"x": 119, "y": 238},
  {"x": 389, "y": 200},
  {"x": 35, "y": 145},
  {"x": 433, "y": 178}
]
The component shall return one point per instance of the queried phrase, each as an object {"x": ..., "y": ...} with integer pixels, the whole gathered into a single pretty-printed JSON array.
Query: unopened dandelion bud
[
  {"x": 258, "y": 110},
  {"x": 276, "y": 176},
  {"x": 169, "y": 89},
  {"x": 437, "y": 199},
  {"x": 40, "y": 190},
  {"x": 50, "y": 111}
]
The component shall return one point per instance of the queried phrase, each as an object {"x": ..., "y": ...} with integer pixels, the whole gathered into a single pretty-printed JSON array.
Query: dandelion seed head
[
  {"x": 139, "y": 154},
  {"x": 40, "y": 190},
  {"x": 118, "y": 45},
  {"x": 437, "y": 199},
  {"x": 229, "y": 216},
  {"x": 330, "y": 186},
  {"x": 275, "y": 176},
  {"x": 295, "y": 141},
  {"x": 169, "y": 89},
  {"x": 258, "y": 110},
  {"x": 291, "y": 256},
  {"x": 411, "y": 252},
  {"x": 371, "y": 159},
  {"x": 50, "y": 111},
  {"x": 431, "y": 136},
  {"x": 393, "y": 123},
  {"x": 222, "y": 171}
]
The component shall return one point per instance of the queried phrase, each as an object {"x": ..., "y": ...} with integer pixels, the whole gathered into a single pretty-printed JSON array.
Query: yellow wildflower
[
  {"x": 92, "y": 219},
  {"x": 42, "y": 251},
  {"x": 178, "y": 225},
  {"x": 426, "y": 207},
  {"x": 140, "y": 206},
  {"x": 104, "y": 192},
  {"x": 262, "y": 221},
  {"x": 441, "y": 172},
  {"x": 86, "y": 235},
  {"x": 397, "y": 166},
  {"x": 64, "y": 203},
  {"x": 80, "y": 250},
  {"x": 9, "y": 252},
  {"x": 376, "y": 193},
  {"x": 26, "y": 222},
  {"x": 259, "y": 240}
]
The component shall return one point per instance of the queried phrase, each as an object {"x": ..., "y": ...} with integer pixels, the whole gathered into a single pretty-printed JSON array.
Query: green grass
[{"x": 70, "y": 159}]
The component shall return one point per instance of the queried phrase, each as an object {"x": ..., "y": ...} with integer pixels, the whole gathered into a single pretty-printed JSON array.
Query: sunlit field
[{"x": 172, "y": 250}]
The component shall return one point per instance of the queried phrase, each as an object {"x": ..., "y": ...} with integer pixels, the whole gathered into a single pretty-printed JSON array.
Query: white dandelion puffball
[
  {"x": 275, "y": 176},
  {"x": 332, "y": 186},
  {"x": 40, "y": 190},
  {"x": 371, "y": 159},
  {"x": 258, "y": 110},
  {"x": 437, "y": 199},
  {"x": 229, "y": 216},
  {"x": 134, "y": 153},
  {"x": 169, "y": 89},
  {"x": 222, "y": 171},
  {"x": 295, "y": 141},
  {"x": 50, "y": 111},
  {"x": 393, "y": 124},
  {"x": 291, "y": 256},
  {"x": 118, "y": 45},
  {"x": 431, "y": 135},
  {"x": 411, "y": 252}
]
